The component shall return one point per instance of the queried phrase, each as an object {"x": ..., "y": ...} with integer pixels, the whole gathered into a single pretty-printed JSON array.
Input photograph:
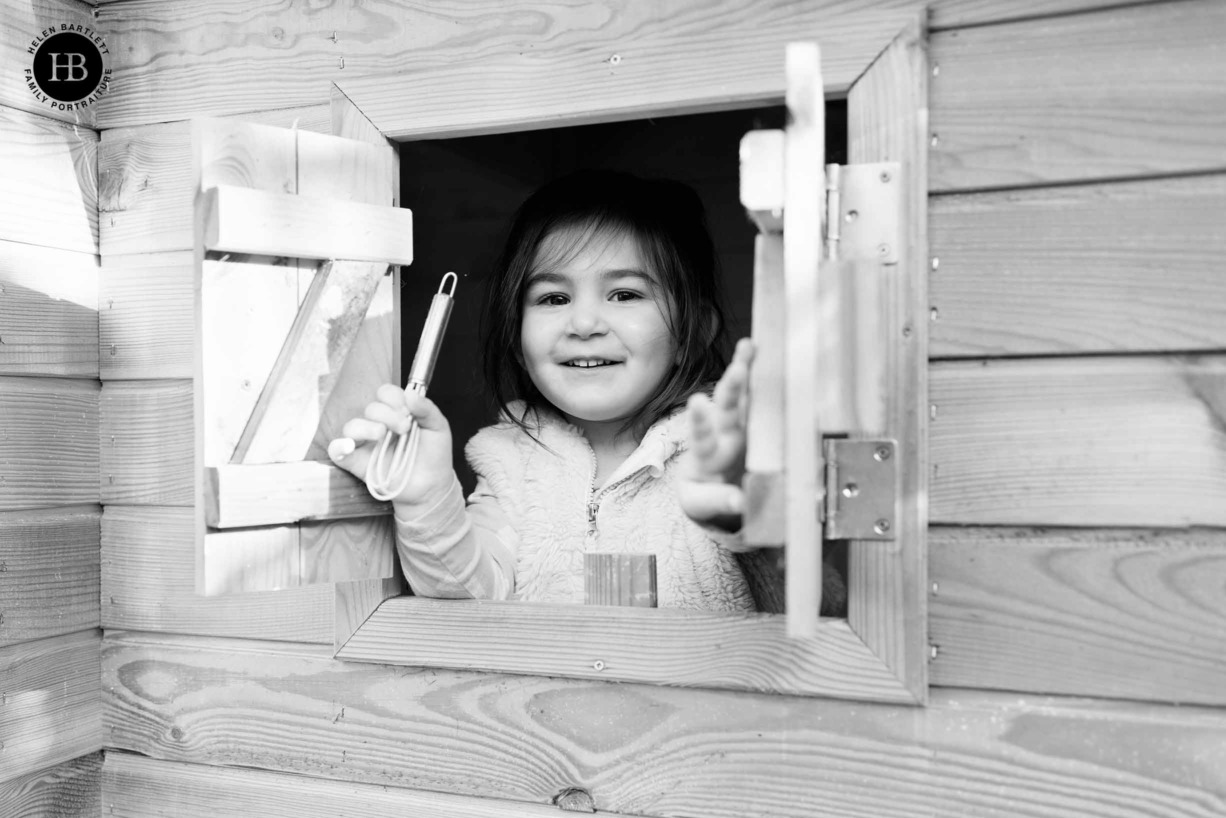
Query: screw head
[
  {"x": 885, "y": 176},
  {"x": 882, "y": 453},
  {"x": 882, "y": 526},
  {"x": 851, "y": 490},
  {"x": 598, "y": 665}
]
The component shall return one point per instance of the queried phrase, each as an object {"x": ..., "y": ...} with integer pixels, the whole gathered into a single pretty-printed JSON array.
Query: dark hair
[{"x": 667, "y": 220}]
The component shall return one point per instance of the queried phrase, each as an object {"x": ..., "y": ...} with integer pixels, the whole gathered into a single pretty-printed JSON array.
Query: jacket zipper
[{"x": 594, "y": 496}]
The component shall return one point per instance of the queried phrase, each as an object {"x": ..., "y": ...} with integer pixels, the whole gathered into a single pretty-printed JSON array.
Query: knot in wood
[{"x": 575, "y": 799}]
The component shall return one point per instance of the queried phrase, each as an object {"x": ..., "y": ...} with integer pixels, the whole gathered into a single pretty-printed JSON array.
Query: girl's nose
[{"x": 586, "y": 318}]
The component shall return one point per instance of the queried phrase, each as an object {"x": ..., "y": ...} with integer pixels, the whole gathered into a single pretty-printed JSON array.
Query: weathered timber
[
  {"x": 139, "y": 787},
  {"x": 1045, "y": 101},
  {"x": 145, "y": 180},
  {"x": 48, "y": 572},
  {"x": 49, "y": 449},
  {"x": 524, "y": 738},
  {"x": 50, "y": 193},
  {"x": 145, "y": 316},
  {"x": 887, "y": 121},
  {"x": 1080, "y": 442},
  {"x": 149, "y": 584},
  {"x": 1122, "y": 267},
  {"x": 1118, "y": 613},
  {"x": 48, "y": 311},
  {"x": 69, "y": 790},
  {"x": 50, "y": 711},
  {"x": 665, "y": 646}
]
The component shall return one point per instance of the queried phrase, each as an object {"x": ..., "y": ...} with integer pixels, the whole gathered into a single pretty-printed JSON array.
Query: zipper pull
[{"x": 591, "y": 516}]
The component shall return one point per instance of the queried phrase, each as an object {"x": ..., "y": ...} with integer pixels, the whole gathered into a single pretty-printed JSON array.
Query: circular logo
[{"x": 68, "y": 67}]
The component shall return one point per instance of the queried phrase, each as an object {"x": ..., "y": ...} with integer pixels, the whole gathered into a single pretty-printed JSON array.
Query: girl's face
[{"x": 595, "y": 333}]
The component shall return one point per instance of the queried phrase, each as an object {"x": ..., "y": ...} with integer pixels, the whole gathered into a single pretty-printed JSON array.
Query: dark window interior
[{"x": 463, "y": 193}]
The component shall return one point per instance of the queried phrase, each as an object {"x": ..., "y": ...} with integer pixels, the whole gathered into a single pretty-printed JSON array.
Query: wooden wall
[
  {"x": 1077, "y": 553},
  {"x": 50, "y": 704}
]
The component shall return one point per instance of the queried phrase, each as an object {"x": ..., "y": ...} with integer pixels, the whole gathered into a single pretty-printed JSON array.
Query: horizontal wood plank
[
  {"x": 146, "y": 439},
  {"x": 524, "y": 738},
  {"x": 675, "y": 647},
  {"x": 69, "y": 790},
  {"x": 20, "y": 24},
  {"x": 298, "y": 53},
  {"x": 49, "y": 446},
  {"x": 1132, "y": 92},
  {"x": 275, "y": 493},
  {"x": 1079, "y": 442},
  {"x": 49, "y": 572},
  {"x": 1125, "y": 267},
  {"x": 1120, "y": 613},
  {"x": 146, "y": 184},
  {"x": 138, "y": 787},
  {"x": 50, "y": 711},
  {"x": 149, "y": 583},
  {"x": 48, "y": 311},
  {"x": 49, "y": 187},
  {"x": 242, "y": 220},
  {"x": 145, "y": 318}
]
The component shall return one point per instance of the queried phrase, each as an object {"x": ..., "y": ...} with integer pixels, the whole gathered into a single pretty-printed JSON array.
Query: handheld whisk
[{"x": 390, "y": 468}]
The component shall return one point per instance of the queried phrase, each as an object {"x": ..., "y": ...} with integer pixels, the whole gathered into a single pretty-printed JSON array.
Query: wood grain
[
  {"x": 48, "y": 311},
  {"x": 146, "y": 184},
  {"x": 1124, "y": 267},
  {"x": 69, "y": 790},
  {"x": 149, "y": 583},
  {"x": 1080, "y": 442},
  {"x": 887, "y": 113},
  {"x": 145, "y": 317},
  {"x": 162, "y": 56},
  {"x": 20, "y": 24},
  {"x": 138, "y": 787},
  {"x": 274, "y": 493},
  {"x": 48, "y": 572},
  {"x": 1130, "y": 613},
  {"x": 49, "y": 170},
  {"x": 524, "y": 738},
  {"x": 49, "y": 443},
  {"x": 1092, "y": 96},
  {"x": 50, "y": 711},
  {"x": 146, "y": 442},
  {"x": 665, "y": 646}
]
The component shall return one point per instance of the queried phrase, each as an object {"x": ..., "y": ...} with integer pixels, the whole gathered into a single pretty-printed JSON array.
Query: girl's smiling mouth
[{"x": 588, "y": 363}]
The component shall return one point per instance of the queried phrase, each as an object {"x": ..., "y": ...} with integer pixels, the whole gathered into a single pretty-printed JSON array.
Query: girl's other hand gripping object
[
  {"x": 432, "y": 472},
  {"x": 709, "y": 488}
]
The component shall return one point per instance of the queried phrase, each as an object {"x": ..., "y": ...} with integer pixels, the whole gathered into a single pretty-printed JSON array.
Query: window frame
[{"x": 880, "y": 652}]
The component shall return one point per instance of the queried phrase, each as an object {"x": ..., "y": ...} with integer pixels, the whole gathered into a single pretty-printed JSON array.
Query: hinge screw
[
  {"x": 932, "y": 651},
  {"x": 881, "y": 453},
  {"x": 882, "y": 526},
  {"x": 851, "y": 490},
  {"x": 883, "y": 249},
  {"x": 598, "y": 665},
  {"x": 885, "y": 176},
  {"x": 936, "y": 263}
]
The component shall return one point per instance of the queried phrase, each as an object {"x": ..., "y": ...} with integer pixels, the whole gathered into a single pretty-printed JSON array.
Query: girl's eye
[
  {"x": 552, "y": 300},
  {"x": 626, "y": 295}
]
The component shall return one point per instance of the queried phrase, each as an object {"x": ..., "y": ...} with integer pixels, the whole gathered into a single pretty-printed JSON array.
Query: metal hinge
[{"x": 861, "y": 489}]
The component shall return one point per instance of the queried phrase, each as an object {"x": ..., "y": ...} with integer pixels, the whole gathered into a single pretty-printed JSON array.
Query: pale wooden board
[
  {"x": 242, "y": 220},
  {"x": 149, "y": 581},
  {"x": 145, "y": 320},
  {"x": 145, "y": 180},
  {"x": 160, "y": 76},
  {"x": 20, "y": 24},
  {"x": 356, "y": 601},
  {"x": 766, "y": 509},
  {"x": 48, "y": 182},
  {"x": 887, "y": 122},
  {"x": 274, "y": 493},
  {"x": 1119, "y": 267},
  {"x": 49, "y": 443},
  {"x": 524, "y": 738},
  {"x": 69, "y": 790},
  {"x": 347, "y": 550},
  {"x": 668, "y": 646},
  {"x": 1131, "y": 92},
  {"x": 138, "y": 787},
  {"x": 146, "y": 442},
  {"x": 48, "y": 572},
  {"x": 249, "y": 559},
  {"x": 1080, "y": 442},
  {"x": 1119, "y": 613},
  {"x": 50, "y": 711},
  {"x": 48, "y": 311}
]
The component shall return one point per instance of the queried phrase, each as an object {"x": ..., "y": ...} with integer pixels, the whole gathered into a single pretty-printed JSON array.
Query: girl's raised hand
[
  {"x": 432, "y": 471},
  {"x": 711, "y": 470}
]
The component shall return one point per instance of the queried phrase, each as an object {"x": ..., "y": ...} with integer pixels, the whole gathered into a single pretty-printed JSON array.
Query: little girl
[{"x": 602, "y": 323}]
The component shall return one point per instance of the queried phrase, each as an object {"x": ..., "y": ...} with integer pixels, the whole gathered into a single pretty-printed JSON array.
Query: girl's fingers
[
  {"x": 710, "y": 501},
  {"x": 392, "y": 395},
  {"x": 703, "y": 442},
  {"x": 362, "y": 430},
  {"x": 426, "y": 411}
]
